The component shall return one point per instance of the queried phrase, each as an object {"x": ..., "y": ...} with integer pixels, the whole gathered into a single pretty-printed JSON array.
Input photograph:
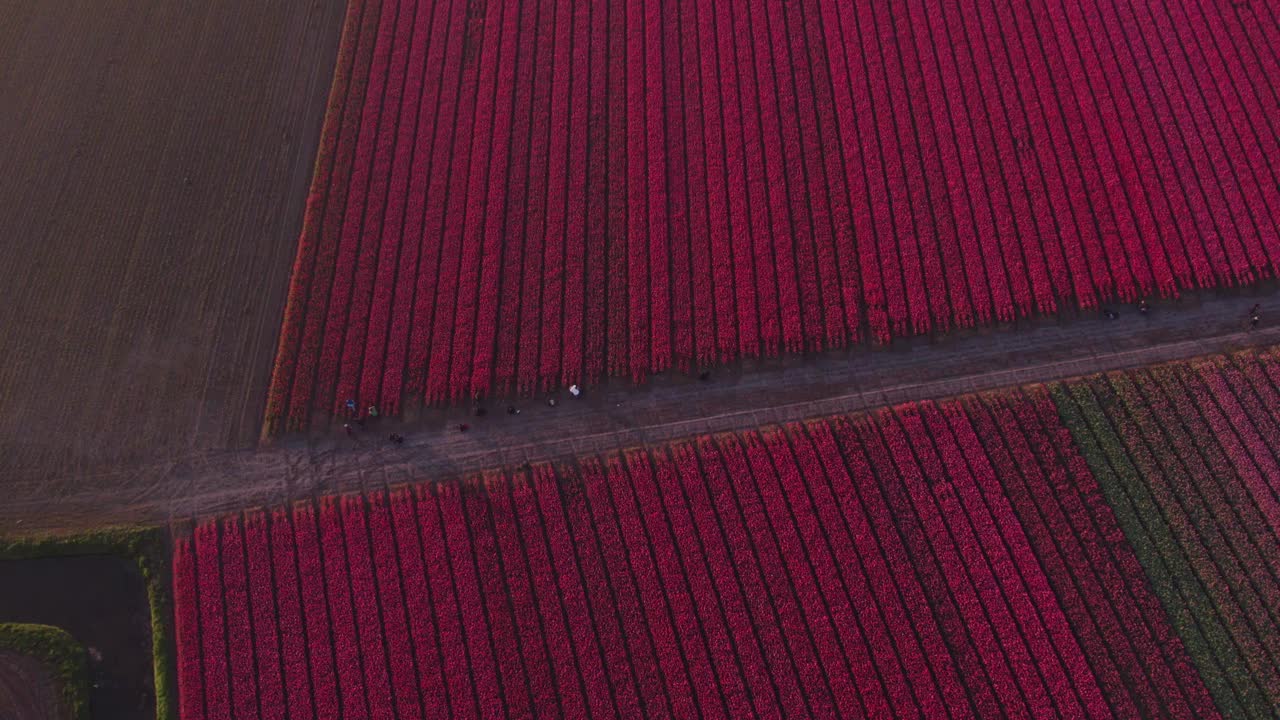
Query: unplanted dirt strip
[{"x": 621, "y": 415}]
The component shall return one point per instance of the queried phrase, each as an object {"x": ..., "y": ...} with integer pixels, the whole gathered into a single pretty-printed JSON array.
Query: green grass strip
[
  {"x": 149, "y": 548},
  {"x": 64, "y": 658},
  {"x": 1221, "y": 667}
]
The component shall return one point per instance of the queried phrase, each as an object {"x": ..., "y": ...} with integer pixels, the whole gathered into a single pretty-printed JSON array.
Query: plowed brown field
[{"x": 154, "y": 167}]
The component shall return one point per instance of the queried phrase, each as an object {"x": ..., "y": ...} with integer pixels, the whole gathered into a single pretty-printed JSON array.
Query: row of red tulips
[
  {"x": 263, "y": 621},
  {"x": 1077, "y": 537},
  {"x": 1255, "y": 392},
  {"x": 1235, "y": 436},
  {"x": 320, "y": 643},
  {"x": 523, "y": 195},
  {"x": 955, "y": 559},
  {"x": 313, "y": 324},
  {"x": 186, "y": 626},
  {"x": 278, "y": 550},
  {"x": 959, "y": 443},
  {"x": 298, "y": 303},
  {"x": 213, "y": 642},
  {"x": 240, "y": 645}
]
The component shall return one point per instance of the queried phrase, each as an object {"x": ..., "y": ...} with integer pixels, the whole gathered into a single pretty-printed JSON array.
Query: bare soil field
[
  {"x": 101, "y": 601},
  {"x": 27, "y": 692},
  {"x": 154, "y": 168}
]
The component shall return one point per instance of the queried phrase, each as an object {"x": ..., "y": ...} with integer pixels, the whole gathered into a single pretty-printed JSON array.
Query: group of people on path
[
  {"x": 1145, "y": 309},
  {"x": 371, "y": 412},
  {"x": 480, "y": 411},
  {"x": 355, "y": 422}
]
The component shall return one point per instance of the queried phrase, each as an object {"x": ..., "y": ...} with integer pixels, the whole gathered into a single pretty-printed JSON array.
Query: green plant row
[{"x": 149, "y": 548}]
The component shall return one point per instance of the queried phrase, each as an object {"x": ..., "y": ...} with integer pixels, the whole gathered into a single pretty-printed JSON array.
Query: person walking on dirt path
[
  {"x": 351, "y": 406},
  {"x": 373, "y": 411},
  {"x": 574, "y": 390},
  {"x": 351, "y": 432},
  {"x": 1253, "y": 321},
  {"x": 1143, "y": 307}
]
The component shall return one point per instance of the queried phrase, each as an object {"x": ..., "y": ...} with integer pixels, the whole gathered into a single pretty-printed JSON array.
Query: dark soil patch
[
  {"x": 101, "y": 601},
  {"x": 27, "y": 690}
]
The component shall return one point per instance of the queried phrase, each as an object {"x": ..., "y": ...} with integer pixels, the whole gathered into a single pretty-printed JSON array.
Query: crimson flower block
[
  {"x": 521, "y": 196},
  {"x": 1091, "y": 550}
]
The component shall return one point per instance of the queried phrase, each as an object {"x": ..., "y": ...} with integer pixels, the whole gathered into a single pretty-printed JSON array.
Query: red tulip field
[
  {"x": 511, "y": 196},
  {"x": 970, "y": 558}
]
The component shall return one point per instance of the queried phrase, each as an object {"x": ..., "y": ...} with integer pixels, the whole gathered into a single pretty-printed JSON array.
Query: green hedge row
[
  {"x": 149, "y": 548},
  {"x": 60, "y": 653}
]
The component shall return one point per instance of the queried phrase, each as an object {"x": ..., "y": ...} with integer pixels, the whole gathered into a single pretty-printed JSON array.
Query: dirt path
[{"x": 620, "y": 415}]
